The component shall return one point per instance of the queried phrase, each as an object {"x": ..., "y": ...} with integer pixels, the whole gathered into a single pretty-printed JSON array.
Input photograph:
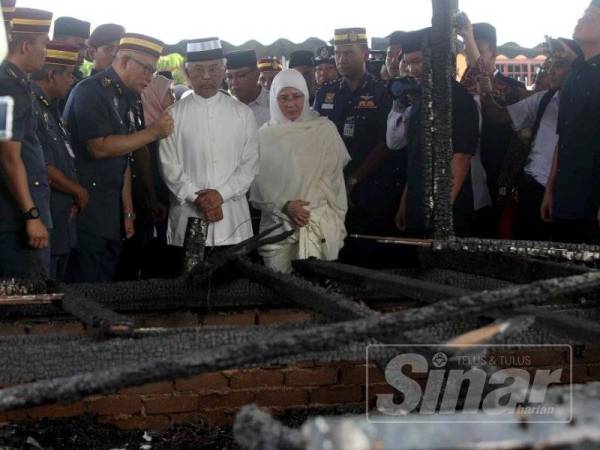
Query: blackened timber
[
  {"x": 393, "y": 284},
  {"x": 306, "y": 294},
  {"x": 580, "y": 253},
  {"x": 311, "y": 339},
  {"x": 562, "y": 323},
  {"x": 501, "y": 265},
  {"x": 204, "y": 269},
  {"x": 95, "y": 315},
  {"x": 443, "y": 71},
  {"x": 195, "y": 243},
  {"x": 497, "y": 330}
]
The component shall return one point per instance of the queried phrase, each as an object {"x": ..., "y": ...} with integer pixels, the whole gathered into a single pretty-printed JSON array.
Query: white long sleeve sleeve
[{"x": 240, "y": 181}]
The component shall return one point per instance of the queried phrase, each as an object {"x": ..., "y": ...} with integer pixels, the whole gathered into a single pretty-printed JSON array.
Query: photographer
[
  {"x": 465, "y": 137},
  {"x": 572, "y": 197}
]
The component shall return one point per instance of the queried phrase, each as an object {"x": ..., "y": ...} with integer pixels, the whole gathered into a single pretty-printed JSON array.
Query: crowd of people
[{"x": 101, "y": 174}]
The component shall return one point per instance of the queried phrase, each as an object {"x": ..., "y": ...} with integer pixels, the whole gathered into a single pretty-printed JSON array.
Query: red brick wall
[{"x": 220, "y": 395}]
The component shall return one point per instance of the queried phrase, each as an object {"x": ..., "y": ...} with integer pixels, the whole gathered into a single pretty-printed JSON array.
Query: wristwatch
[{"x": 32, "y": 214}]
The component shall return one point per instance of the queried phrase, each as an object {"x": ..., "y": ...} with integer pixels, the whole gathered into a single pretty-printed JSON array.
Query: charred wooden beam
[
  {"x": 443, "y": 68},
  {"x": 315, "y": 339},
  {"x": 194, "y": 243},
  {"x": 95, "y": 315},
  {"x": 35, "y": 299},
  {"x": 204, "y": 269},
  {"x": 306, "y": 294},
  {"x": 563, "y": 324},
  {"x": 578, "y": 253},
  {"x": 502, "y": 265},
  {"x": 393, "y": 284}
]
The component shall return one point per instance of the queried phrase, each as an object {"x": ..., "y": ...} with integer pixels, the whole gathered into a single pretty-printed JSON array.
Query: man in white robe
[{"x": 211, "y": 159}]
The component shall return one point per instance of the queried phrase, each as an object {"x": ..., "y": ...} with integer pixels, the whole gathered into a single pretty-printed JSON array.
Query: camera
[
  {"x": 461, "y": 20},
  {"x": 404, "y": 89}
]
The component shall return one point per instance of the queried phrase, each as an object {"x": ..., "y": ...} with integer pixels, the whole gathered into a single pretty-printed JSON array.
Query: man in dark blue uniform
[
  {"x": 8, "y": 9},
  {"x": 76, "y": 32},
  {"x": 359, "y": 106},
  {"x": 572, "y": 198},
  {"x": 24, "y": 188},
  {"x": 68, "y": 197},
  {"x": 325, "y": 69},
  {"x": 465, "y": 138},
  {"x": 102, "y": 120}
]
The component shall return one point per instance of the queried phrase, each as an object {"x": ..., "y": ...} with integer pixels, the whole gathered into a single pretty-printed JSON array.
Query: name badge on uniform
[
  {"x": 349, "y": 127},
  {"x": 366, "y": 102},
  {"x": 70, "y": 150},
  {"x": 329, "y": 100}
]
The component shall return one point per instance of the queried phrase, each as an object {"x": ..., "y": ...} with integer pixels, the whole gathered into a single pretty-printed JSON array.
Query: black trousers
[{"x": 528, "y": 225}]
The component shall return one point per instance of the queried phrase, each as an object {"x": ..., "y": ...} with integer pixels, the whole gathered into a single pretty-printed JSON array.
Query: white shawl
[{"x": 301, "y": 160}]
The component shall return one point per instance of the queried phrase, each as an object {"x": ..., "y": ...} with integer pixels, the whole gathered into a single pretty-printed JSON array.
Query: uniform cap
[
  {"x": 70, "y": 26},
  {"x": 325, "y": 55},
  {"x": 29, "y": 20},
  {"x": 142, "y": 44},
  {"x": 345, "y": 36},
  {"x": 269, "y": 65},
  {"x": 105, "y": 34},
  {"x": 8, "y": 9},
  {"x": 62, "y": 54}
]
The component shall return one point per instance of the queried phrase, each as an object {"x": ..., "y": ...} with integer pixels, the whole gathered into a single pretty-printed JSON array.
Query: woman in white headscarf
[{"x": 300, "y": 182}]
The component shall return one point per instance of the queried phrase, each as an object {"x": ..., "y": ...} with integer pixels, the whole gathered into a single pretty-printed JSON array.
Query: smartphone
[{"x": 6, "y": 118}]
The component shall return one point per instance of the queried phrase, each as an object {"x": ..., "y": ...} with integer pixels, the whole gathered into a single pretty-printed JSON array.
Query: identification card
[
  {"x": 327, "y": 106},
  {"x": 349, "y": 128}
]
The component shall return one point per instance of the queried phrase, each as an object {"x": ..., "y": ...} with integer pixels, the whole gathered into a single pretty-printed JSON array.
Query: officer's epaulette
[{"x": 106, "y": 82}]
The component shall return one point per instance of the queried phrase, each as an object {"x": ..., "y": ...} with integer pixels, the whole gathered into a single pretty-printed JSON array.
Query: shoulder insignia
[{"x": 106, "y": 82}]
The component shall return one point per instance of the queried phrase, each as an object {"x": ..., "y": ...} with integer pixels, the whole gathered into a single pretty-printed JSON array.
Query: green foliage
[
  {"x": 173, "y": 63},
  {"x": 86, "y": 68}
]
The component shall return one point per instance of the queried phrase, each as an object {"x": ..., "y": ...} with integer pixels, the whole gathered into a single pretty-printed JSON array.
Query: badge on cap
[{"x": 352, "y": 36}]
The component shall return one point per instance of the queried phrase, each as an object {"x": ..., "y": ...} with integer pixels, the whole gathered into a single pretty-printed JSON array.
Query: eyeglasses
[
  {"x": 149, "y": 69},
  {"x": 290, "y": 98}
]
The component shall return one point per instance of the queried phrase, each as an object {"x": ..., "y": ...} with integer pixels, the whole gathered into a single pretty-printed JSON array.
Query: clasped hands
[{"x": 210, "y": 203}]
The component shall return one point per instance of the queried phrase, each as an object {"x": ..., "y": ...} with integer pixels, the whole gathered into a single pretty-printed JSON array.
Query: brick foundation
[{"x": 218, "y": 396}]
